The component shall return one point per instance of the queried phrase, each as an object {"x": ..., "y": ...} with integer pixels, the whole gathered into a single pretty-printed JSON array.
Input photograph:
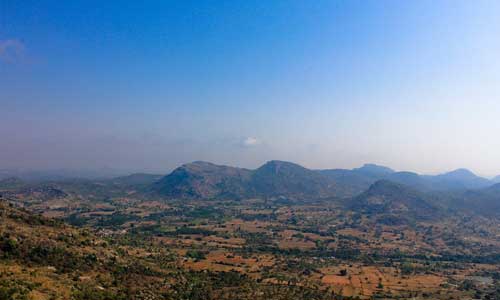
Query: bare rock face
[{"x": 203, "y": 180}]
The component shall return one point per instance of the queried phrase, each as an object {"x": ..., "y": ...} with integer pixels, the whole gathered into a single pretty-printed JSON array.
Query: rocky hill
[
  {"x": 386, "y": 197},
  {"x": 203, "y": 180},
  {"x": 280, "y": 178}
]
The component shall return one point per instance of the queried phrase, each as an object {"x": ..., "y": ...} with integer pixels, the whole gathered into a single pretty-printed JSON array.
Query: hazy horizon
[
  {"x": 107, "y": 172},
  {"x": 327, "y": 84}
]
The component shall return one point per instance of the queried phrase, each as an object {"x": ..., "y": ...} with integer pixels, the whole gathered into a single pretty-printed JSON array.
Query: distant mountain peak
[
  {"x": 205, "y": 166},
  {"x": 460, "y": 174},
  {"x": 199, "y": 163},
  {"x": 282, "y": 178},
  {"x": 374, "y": 169},
  {"x": 464, "y": 178},
  {"x": 279, "y": 164},
  {"x": 200, "y": 179}
]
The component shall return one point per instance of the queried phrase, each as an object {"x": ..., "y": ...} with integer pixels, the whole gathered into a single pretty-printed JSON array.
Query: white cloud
[
  {"x": 251, "y": 142},
  {"x": 11, "y": 50}
]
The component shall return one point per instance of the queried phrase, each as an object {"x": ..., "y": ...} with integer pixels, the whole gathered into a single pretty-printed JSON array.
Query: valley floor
[{"x": 128, "y": 248}]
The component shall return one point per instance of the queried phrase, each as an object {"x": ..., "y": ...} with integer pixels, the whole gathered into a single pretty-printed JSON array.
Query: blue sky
[{"x": 148, "y": 85}]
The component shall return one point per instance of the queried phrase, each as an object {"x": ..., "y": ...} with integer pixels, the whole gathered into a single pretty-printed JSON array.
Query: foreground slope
[{"x": 46, "y": 259}]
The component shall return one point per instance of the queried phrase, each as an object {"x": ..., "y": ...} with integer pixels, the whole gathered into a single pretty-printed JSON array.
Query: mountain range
[
  {"x": 370, "y": 188},
  {"x": 204, "y": 180}
]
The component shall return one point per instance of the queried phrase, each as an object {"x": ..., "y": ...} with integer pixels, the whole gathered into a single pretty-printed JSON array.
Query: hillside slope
[
  {"x": 203, "y": 180},
  {"x": 45, "y": 259},
  {"x": 386, "y": 197}
]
